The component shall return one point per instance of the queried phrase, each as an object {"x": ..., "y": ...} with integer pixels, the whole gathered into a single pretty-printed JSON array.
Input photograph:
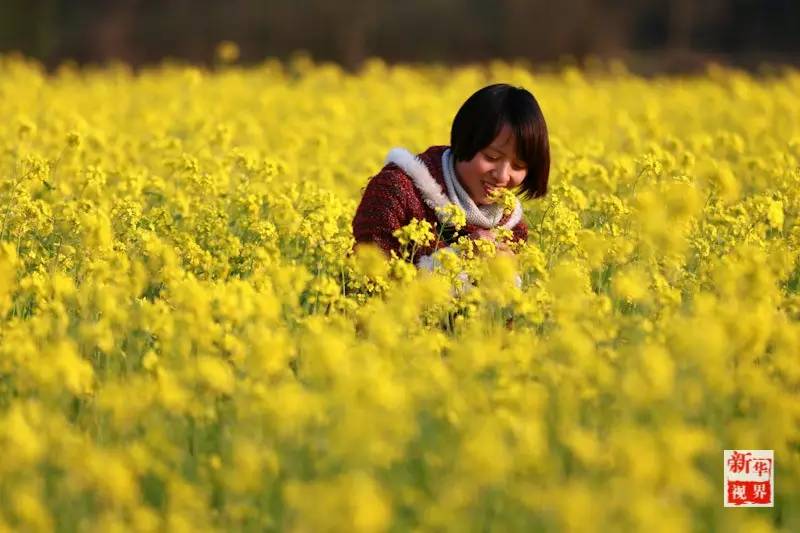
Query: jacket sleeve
[
  {"x": 381, "y": 211},
  {"x": 520, "y": 231}
]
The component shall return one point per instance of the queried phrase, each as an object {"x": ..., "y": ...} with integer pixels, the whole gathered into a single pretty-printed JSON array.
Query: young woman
[{"x": 498, "y": 140}]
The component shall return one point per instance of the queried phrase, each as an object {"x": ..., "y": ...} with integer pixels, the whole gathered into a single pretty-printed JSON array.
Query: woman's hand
[
  {"x": 503, "y": 248},
  {"x": 482, "y": 233}
]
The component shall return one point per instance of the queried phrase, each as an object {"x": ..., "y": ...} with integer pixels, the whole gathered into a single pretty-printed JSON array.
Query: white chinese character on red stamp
[{"x": 749, "y": 478}]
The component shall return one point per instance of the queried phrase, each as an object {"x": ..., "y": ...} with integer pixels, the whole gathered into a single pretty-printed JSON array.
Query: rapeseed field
[{"x": 187, "y": 343}]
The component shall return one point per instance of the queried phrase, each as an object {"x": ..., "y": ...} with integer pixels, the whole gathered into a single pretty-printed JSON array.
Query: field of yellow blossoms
[{"x": 186, "y": 344}]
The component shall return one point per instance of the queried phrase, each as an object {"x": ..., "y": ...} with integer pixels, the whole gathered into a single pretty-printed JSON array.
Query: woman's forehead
[{"x": 505, "y": 140}]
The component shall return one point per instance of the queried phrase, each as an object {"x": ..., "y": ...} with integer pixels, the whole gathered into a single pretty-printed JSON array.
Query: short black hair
[{"x": 480, "y": 119}]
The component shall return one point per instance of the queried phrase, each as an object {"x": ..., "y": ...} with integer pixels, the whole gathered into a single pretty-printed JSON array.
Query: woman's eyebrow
[{"x": 514, "y": 157}]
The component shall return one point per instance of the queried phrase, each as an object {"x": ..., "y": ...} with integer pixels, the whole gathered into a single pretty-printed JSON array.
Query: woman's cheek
[{"x": 484, "y": 168}]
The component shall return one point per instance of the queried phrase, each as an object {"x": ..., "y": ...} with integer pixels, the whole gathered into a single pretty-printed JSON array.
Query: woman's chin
[
  {"x": 482, "y": 198},
  {"x": 487, "y": 200}
]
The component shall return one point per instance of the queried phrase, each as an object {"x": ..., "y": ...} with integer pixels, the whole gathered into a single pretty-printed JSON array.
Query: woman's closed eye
[{"x": 515, "y": 166}]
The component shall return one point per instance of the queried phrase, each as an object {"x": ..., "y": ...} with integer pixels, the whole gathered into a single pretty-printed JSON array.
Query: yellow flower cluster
[
  {"x": 503, "y": 197},
  {"x": 453, "y": 214},
  {"x": 416, "y": 233},
  {"x": 187, "y": 342}
]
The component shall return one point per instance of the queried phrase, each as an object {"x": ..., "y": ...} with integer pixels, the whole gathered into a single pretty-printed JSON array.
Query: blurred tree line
[{"x": 673, "y": 34}]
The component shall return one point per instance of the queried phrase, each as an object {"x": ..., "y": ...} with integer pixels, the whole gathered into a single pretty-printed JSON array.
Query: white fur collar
[{"x": 430, "y": 189}]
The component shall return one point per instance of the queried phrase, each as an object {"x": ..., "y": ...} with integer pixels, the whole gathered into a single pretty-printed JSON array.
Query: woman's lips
[{"x": 488, "y": 189}]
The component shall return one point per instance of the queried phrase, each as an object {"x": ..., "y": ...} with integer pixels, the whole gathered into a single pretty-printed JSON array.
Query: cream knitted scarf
[{"x": 485, "y": 216}]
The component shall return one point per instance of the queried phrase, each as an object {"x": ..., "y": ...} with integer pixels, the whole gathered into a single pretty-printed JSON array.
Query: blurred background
[{"x": 649, "y": 35}]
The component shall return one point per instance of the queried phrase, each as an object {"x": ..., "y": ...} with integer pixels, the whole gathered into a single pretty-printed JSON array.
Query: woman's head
[{"x": 499, "y": 139}]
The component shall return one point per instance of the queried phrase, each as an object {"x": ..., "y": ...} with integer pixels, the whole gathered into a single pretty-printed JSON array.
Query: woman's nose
[{"x": 502, "y": 173}]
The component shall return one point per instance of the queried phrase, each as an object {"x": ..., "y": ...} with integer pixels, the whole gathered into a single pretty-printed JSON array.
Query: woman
[{"x": 498, "y": 140}]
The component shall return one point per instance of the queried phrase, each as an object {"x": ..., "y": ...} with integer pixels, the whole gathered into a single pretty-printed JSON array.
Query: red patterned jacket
[{"x": 410, "y": 187}]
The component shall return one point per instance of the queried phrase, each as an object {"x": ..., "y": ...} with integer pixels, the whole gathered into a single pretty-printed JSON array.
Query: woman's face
[{"x": 493, "y": 166}]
